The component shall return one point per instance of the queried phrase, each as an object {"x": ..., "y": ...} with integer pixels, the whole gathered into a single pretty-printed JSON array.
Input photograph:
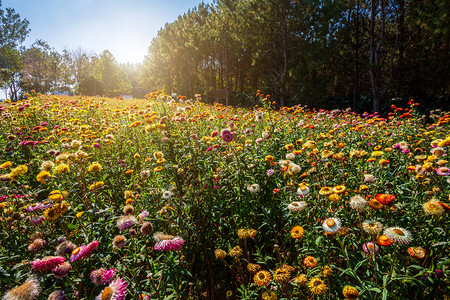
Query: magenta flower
[
  {"x": 116, "y": 290},
  {"x": 47, "y": 263},
  {"x": 108, "y": 276},
  {"x": 227, "y": 135},
  {"x": 126, "y": 222},
  {"x": 167, "y": 242},
  {"x": 443, "y": 171},
  {"x": 83, "y": 251}
]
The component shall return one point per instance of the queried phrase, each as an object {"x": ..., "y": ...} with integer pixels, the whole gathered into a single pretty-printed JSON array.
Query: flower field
[{"x": 164, "y": 198}]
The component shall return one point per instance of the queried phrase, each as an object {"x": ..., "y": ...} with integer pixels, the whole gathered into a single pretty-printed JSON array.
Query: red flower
[{"x": 385, "y": 199}]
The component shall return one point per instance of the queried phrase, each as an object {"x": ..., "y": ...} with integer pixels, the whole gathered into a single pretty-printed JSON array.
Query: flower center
[
  {"x": 330, "y": 222},
  {"x": 295, "y": 204},
  {"x": 107, "y": 293},
  {"x": 75, "y": 251},
  {"x": 317, "y": 283},
  {"x": 398, "y": 232},
  {"x": 261, "y": 276}
]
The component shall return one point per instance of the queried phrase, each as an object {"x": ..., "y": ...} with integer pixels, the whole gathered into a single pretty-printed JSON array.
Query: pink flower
[
  {"x": 167, "y": 242},
  {"x": 371, "y": 247},
  {"x": 227, "y": 135},
  {"x": 108, "y": 276},
  {"x": 47, "y": 263},
  {"x": 83, "y": 251},
  {"x": 443, "y": 171},
  {"x": 116, "y": 290},
  {"x": 126, "y": 222},
  {"x": 62, "y": 269}
]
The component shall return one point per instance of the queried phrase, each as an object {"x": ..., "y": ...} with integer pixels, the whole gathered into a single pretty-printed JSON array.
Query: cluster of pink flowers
[{"x": 47, "y": 263}]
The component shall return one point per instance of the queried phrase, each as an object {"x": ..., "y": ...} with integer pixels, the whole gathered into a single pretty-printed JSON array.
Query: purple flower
[
  {"x": 270, "y": 172},
  {"x": 116, "y": 290},
  {"x": 443, "y": 171},
  {"x": 371, "y": 247}
]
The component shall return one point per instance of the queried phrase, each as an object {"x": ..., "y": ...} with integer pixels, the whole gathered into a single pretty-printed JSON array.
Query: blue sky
[{"x": 124, "y": 27}]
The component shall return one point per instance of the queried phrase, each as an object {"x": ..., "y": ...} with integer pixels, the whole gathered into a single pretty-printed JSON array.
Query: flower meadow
[{"x": 163, "y": 198}]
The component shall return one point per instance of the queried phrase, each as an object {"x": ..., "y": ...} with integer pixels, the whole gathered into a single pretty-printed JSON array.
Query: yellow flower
[
  {"x": 6, "y": 165},
  {"x": 79, "y": 214},
  {"x": 377, "y": 153},
  {"x": 96, "y": 185},
  {"x": 158, "y": 169},
  {"x": 51, "y": 214},
  {"x": 43, "y": 177},
  {"x": 158, "y": 154},
  {"x": 297, "y": 232},
  {"x": 350, "y": 292},
  {"x": 289, "y": 147},
  {"x": 339, "y": 189},
  {"x": 281, "y": 275},
  {"x": 61, "y": 168},
  {"x": 18, "y": 171},
  {"x": 325, "y": 191},
  {"x": 58, "y": 195},
  {"x": 262, "y": 278},
  {"x": 316, "y": 286},
  {"x": 95, "y": 167},
  {"x": 160, "y": 161}
]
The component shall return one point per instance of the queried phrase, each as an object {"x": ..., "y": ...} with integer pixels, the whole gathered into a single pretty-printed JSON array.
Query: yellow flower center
[
  {"x": 107, "y": 293},
  {"x": 330, "y": 222},
  {"x": 398, "y": 232},
  {"x": 75, "y": 251}
]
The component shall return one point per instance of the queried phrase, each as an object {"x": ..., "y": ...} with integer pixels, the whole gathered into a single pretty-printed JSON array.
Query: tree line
[{"x": 366, "y": 54}]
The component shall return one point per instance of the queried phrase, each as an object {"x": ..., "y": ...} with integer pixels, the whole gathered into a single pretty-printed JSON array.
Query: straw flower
[
  {"x": 331, "y": 225},
  {"x": 358, "y": 203},
  {"x": 372, "y": 227},
  {"x": 297, "y": 206},
  {"x": 297, "y": 232},
  {"x": 398, "y": 235},
  {"x": 417, "y": 252},
  {"x": 166, "y": 242},
  {"x": 116, "y": 290},
  {"x": 316, "y": 286},
  {"x": 220, "y": 254},
  {"x": 350, "y": 292},
  {"x": 262, "y": 278},
  {"x": 281, "y": 275},
  {"x": 29, "y": 290},
  {"x": 433, "y": 207}
]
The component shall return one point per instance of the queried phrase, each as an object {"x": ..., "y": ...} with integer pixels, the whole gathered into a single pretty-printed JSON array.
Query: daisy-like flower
[
  {"x": 300, "y": 279},
  {"x": 350, "y": 292},
  {"x": 43, "y": 177},
  {"x": 235, "y": 252},
  {"x": 29, "y": 290},
  {"x": 303, "y": 190},
  {"x": 325, "y": 191},
  {"x": 167, "y": 195},
  {"x": 116, "y": 290},
  {"x": 47, "y": 263},
  {"x": 371, "y": 247},
  {"x": 369, "y": 178},
  {"x": 253, "y": 188},
  {"x": 384, "y": 240},
  {"x": 297, "y": 206},
  {"x": 417, "y": 252},
  {"x": 297, "y": 232},
  {"x": 166, "y": 242},
  {"x": 385, "y": 199},
  {"x": 358, "y": 203},
  {"x": 281, "y": 275},
  {"x": 125, "y": 222},
  {"x": 443, "y": 171},
  {"x": 310, "y": 262},
  {"x": 339, "y": 189},
  {"x": 83, "y": 251},
  {"x": 316, "y": 286},
  {"x": 331, "y": 225},
  {"x": 433, "y": 207},
  {"x": 262, "y": 278},
  {"x": 227, "y": 135},
  {"x": 372, "y": 227},
  {"x": 398, "y": 235},
  {"x": 220, "y": 254}
]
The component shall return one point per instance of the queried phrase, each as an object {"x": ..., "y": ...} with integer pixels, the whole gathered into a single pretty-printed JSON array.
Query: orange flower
[
  {"x": 262, "y": 278},
  {"x": 385, "y": 199},
  {"x": 384, "y": 240},
  {"x": 310, "y": 262},
  {"x": 297, "y": 232}
]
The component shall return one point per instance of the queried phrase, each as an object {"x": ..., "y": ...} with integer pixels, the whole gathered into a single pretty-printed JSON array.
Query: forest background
[{"x": 366, "y": 55}]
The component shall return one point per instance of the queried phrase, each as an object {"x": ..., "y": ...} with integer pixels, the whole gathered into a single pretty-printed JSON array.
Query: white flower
[
  {"x": 290, "y": 156},
  {"x": 358, "y": 203},
  {"x": 167, "y": 195},
  {"x": 294, "y": 169},
  {"x": 297, "y": 206},
  {"x": 331, "y": 225},
  {"x": 303, "y": 190},
  {"x": 253, "y": 188},
  {"x": 398, "y": 235}
]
